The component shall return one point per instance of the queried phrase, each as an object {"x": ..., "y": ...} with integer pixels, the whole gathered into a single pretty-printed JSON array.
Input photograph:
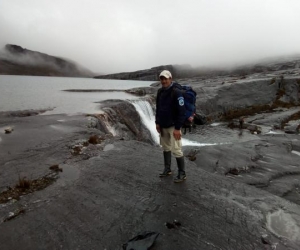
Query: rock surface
[
  {"x": 242, "y": 189},
  {"x": 110, "y": 197}
]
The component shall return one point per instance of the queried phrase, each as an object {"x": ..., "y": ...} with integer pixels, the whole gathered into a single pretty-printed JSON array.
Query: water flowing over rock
[{"x": 122, "y": 120}]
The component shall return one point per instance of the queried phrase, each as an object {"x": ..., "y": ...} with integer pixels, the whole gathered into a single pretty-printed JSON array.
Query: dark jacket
[{"x": 170, "y": 110}]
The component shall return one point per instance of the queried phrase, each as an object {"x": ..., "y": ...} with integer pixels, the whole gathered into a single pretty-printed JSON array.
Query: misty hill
[
  {"x": 150, "y": 74},
  {"x": 15, "y": 60},
  {"x": 186, "y": 71}
]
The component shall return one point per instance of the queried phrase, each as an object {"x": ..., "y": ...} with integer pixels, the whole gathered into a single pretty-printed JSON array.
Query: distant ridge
[
  {"x": 15, "y": 60},
  {"x": 186, "y": 71},
  {"x": 150, "y": 74}
]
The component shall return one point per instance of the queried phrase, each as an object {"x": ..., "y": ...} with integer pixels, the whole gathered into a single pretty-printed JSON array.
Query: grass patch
[
  {"x": 280, "y": 93},
  {"x": 236, "y": 113},
  {"x": 55, "y": 168},
  {"x": 293, "y": 117},
  {"x": 23, "y": 183},
  {"x": 273, "y": 80},
  {"x": 95, "y": 139},
  {"x": 281, "y": 104},
  {"x": 256, "y": 109},
  {"x": 25, "y": 186}
]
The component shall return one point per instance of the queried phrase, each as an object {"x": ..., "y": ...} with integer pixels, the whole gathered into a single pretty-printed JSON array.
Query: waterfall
[{"x": 147, "y": 116}]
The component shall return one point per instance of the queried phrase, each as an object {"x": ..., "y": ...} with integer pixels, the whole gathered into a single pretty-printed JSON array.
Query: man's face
[{"x": 165, "y": 82}]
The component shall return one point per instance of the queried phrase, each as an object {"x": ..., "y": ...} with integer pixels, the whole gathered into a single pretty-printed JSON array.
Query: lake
[{"x": 38, "y": 92}]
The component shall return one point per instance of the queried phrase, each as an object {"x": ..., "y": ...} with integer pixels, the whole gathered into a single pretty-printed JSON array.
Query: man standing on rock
[{"x": 170, "y": 116}]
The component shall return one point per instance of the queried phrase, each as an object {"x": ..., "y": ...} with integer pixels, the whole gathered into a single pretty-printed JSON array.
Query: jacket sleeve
[
  {"x": 157, "y": 107},
  {"x": 180, "y": 109}
]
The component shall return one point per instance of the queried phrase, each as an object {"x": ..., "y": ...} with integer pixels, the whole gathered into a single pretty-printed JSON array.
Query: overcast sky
[{"x": 125, "y": 35}]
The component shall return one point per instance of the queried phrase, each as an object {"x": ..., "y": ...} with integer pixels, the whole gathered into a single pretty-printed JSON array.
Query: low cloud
[{"x": 119, "y": 36}]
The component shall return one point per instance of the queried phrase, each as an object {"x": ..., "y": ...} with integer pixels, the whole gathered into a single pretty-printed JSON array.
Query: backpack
[
  {"x": 200, "y": 119},
  {"x": 189, "y": 96}
]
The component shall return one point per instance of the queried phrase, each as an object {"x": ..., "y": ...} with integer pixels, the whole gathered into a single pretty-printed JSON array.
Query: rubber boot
[
  {"x": 181, "y": 170},
  {"x": 167, "y": 160}
]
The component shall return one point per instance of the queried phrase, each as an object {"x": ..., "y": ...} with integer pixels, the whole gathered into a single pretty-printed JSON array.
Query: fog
[{"x": 118, "y": 36}]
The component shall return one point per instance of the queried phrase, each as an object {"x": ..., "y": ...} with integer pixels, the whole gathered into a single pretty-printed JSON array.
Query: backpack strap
[{"x": 176, "y": 87}]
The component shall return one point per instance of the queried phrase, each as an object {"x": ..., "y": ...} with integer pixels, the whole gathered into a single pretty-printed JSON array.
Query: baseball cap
[{"x": 166, "y": 74}]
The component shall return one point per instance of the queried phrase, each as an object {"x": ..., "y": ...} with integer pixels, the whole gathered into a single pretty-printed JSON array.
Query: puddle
[
  {"x": 186, "y": 142},
  {"x": 60, "y": 127},
  {"x": 215, "y": 124},
  {"x": 108, "y": 147},
  {"x": 283, "y": 224},
  {"x": 275, "y": 133}
]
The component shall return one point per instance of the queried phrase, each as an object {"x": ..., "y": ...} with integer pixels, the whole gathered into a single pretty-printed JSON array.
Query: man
[{"x": 170, "y": 116}]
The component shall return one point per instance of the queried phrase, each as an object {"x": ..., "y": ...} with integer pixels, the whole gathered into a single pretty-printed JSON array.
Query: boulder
[
  {"x": 8, "y": 130},
  {"x": 292, "y": 127}
]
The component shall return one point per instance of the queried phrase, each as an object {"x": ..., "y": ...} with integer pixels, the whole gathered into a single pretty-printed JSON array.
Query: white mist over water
[{"x": 148, "y": 118}]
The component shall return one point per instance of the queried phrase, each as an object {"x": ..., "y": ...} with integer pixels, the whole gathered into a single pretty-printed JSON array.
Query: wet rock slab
[
  {"x": 117, "y": 194},
  {"x": 242, "y": 190}
]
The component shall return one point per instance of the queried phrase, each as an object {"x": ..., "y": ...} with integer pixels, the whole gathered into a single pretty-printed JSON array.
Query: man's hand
[
  {"x": 177, "y": 134},
  {"x": 158, "y": 128}
]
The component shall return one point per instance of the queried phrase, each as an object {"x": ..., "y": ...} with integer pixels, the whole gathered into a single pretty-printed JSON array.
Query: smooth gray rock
[{"x": 239, "y": 187}]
